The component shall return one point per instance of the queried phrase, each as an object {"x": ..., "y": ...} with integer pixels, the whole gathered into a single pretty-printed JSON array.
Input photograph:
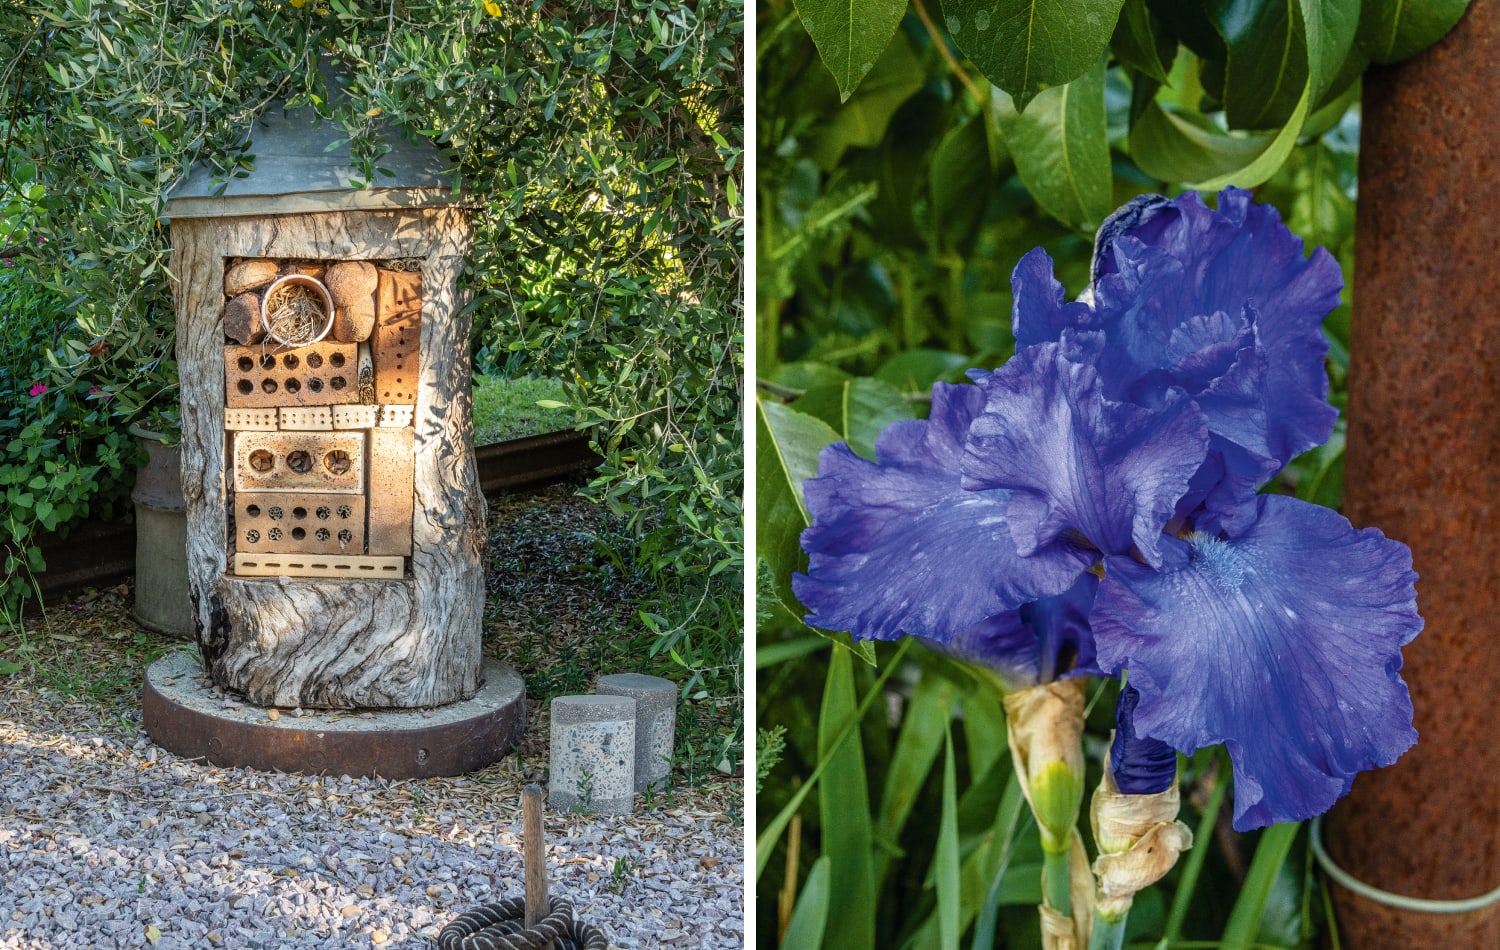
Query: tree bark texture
[
  {"x": 1424, "y": 465},
  {"x": 317, "y": 643}
]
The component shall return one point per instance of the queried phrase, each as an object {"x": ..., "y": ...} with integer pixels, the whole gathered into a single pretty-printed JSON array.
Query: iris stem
[
  {"x": 1108, "y": 934},
  {"x": 1056, "y": 881}
]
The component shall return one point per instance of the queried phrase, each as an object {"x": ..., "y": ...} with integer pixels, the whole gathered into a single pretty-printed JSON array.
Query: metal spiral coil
[{"x": 501, "y": 926}]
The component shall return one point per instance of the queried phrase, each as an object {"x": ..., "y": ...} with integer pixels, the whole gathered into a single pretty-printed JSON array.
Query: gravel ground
[{"x": 108, "y": 841}]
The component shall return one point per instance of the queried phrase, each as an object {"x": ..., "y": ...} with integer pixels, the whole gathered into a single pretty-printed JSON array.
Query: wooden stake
[{"x": 534, "y": 855}]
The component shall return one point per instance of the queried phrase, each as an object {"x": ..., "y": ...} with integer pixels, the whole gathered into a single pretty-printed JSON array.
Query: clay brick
[
  {"x": 242, "y": 322},
  {"x": 319, "y": 565},
  {"x": 355, "y": 417},
  {"x": 392, "y": 468},
  {"x": 248, "y": 275},
  {"x": 300, "y": 461},
  {"x": 397, "y": 417},
  {"x": 397, "y": 336},
  {"x": 298, "y": 523},
  {"x": 260, "y": 420},
  {"x": 321, "y": 374}
]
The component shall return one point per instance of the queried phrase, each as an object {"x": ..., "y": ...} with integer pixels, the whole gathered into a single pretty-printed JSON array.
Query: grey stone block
[
  {"x": 655, "y": 724},
  {"x": 593, "y": 754}
]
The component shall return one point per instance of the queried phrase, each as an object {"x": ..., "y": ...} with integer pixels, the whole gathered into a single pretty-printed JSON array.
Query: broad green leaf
[
  {"x": 1267, "y": 69},
  {"x": 1141, "y": 43},
  {"x": 960, "y": 177},
  {"x": 771, "y": 654},
  {"x": 1331, "y": 27},
  {"x": 1393, "y": 30},
  {"x": 1189, "y": 21},
  {"x": 810, "y": 917},
  {"x": 945, "y": 858},
  {"x": 850, "y": 36},
  {"x": 787, "y": 446},
  {"x": 805, "y": 375},
  {"x": 858, "y": 410},
  {"x": 1171, "y": 147},
  {"x": 1026, "y": 46},
  {"x": 914, "y": 371},
  {"x": 1270, "y": 853},
  {"x": 861, "y": 121},
  {"x": 844, "y": 812},
  {"x": 1061, "y": 149},
  {"x": 922, "y": 730}
]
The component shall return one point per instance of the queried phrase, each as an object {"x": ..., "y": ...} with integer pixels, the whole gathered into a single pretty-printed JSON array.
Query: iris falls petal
[
  {"x": 1284, "y": 643},
  {"x": 897, "y": 546}
]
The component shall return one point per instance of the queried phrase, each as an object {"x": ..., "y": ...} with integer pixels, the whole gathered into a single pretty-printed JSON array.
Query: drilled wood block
[
  {"x": 319, "y": 565},
  {"x": 355, "y": 417},
  {"x": 321, "y": 374},
  {"x": 392, "y": 466},
  {"x": 298, "y": 523},
  {"x": 305, "y": 418},
  {"x": 396, "y": 417},
  {"x": 261, "y": 420},
  {"x": 301, "y": 461},
  {"x": 398, "y": 329}
]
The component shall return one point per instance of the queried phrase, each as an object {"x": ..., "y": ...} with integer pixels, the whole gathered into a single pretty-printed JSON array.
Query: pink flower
[
  {"x": 95, "y": 389},
  {"x": 38, "y": 389}
]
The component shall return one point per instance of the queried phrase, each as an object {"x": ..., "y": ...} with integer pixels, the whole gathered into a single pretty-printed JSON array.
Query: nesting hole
[
  {"x": 299, "y": 462},
  {"x": 261, "y": 460},
  {"x": 337, "y": 461}
]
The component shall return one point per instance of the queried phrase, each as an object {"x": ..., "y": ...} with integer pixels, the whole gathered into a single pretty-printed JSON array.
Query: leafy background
[
  {"x": 603, "y": 140},
  {"x": 909, "y": 154}
]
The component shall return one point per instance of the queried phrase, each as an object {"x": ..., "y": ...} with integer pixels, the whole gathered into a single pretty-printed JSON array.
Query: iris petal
[
  {"x": 1040, "y": 311},
  {"x": 897, "y": 546},
  {"x": 1142, "y": 765},
  {"x": 1257, "y": 644},
  {"x": 1043, "y": 641},
  {"x": 1075, "y": 461}
]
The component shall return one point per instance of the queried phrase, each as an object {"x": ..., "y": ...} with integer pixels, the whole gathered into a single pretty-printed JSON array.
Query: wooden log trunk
[{"x": 312, "y": 642}]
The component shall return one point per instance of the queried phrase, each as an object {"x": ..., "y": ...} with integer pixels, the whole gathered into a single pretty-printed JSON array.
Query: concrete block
[
  {"x": 397, "y": 336},
  {"x": 319, "y": 565},
  {"x": 655, "y": 724},
  {"x": 305, "y": 418},
  {"x": 298, "y": 523},
  {"x": 257, "y": 420},
  {"x": 301, "y": 461},
  {"x": 320, "y": 374},
  {"x": 593, "y": 754},
  {"x": 393, "y": 462},
  {"x": 355, "y": 417},
  {"x": 397, "y": 417}
]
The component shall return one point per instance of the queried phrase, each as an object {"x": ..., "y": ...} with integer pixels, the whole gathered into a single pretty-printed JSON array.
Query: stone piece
[
  {"x": 242, "y": 320},
  {"x": 392, "y": 466},
  {"x": 259, "y": 420},
  {"x": 248, "y": 275},
  {"x": 593, "y": 754},
  {"x": 655, "y": 724},
  {"x": 320, "y": 374},
  {"x": 397, "y": 336},
  {"x": 332, "y": 462},
  {"x": 305, "y": 418},
  {"x": 314, "y": 269},
  {"x": 353, "y": 324},
  {"x": 299, "y": 523},
  {"x": 319, "y": 565},
  {"x": 355, "y": 417}
]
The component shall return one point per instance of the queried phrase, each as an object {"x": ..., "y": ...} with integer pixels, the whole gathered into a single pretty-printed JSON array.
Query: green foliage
[{"x": 888, "y": 227}]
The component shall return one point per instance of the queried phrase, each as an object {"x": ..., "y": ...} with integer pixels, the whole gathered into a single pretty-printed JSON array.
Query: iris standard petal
[
  {"x": 1283, "y": 643},
  {"x": 1236, "y": 257},
  {"x": 1040, "y": 310},
  {"x": 897, "y": 546},
  {"x": 1077, "y": 462}
]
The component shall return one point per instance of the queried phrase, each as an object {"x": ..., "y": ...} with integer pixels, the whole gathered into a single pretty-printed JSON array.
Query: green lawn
[{"x": 507, "y": 408}]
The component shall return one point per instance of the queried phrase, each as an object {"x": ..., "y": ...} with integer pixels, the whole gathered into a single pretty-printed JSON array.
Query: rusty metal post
[{"x": 1424, "y": 465}]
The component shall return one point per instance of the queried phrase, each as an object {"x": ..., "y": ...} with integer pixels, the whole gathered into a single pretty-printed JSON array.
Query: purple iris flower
[{"x": 1128, "y": 438}]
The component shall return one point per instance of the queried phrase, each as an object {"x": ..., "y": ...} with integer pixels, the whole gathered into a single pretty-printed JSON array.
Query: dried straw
[{"x": 296, "y": 314}]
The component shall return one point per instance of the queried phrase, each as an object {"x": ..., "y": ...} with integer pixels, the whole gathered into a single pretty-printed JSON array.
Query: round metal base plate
[{"x": 185, "y": 713}]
